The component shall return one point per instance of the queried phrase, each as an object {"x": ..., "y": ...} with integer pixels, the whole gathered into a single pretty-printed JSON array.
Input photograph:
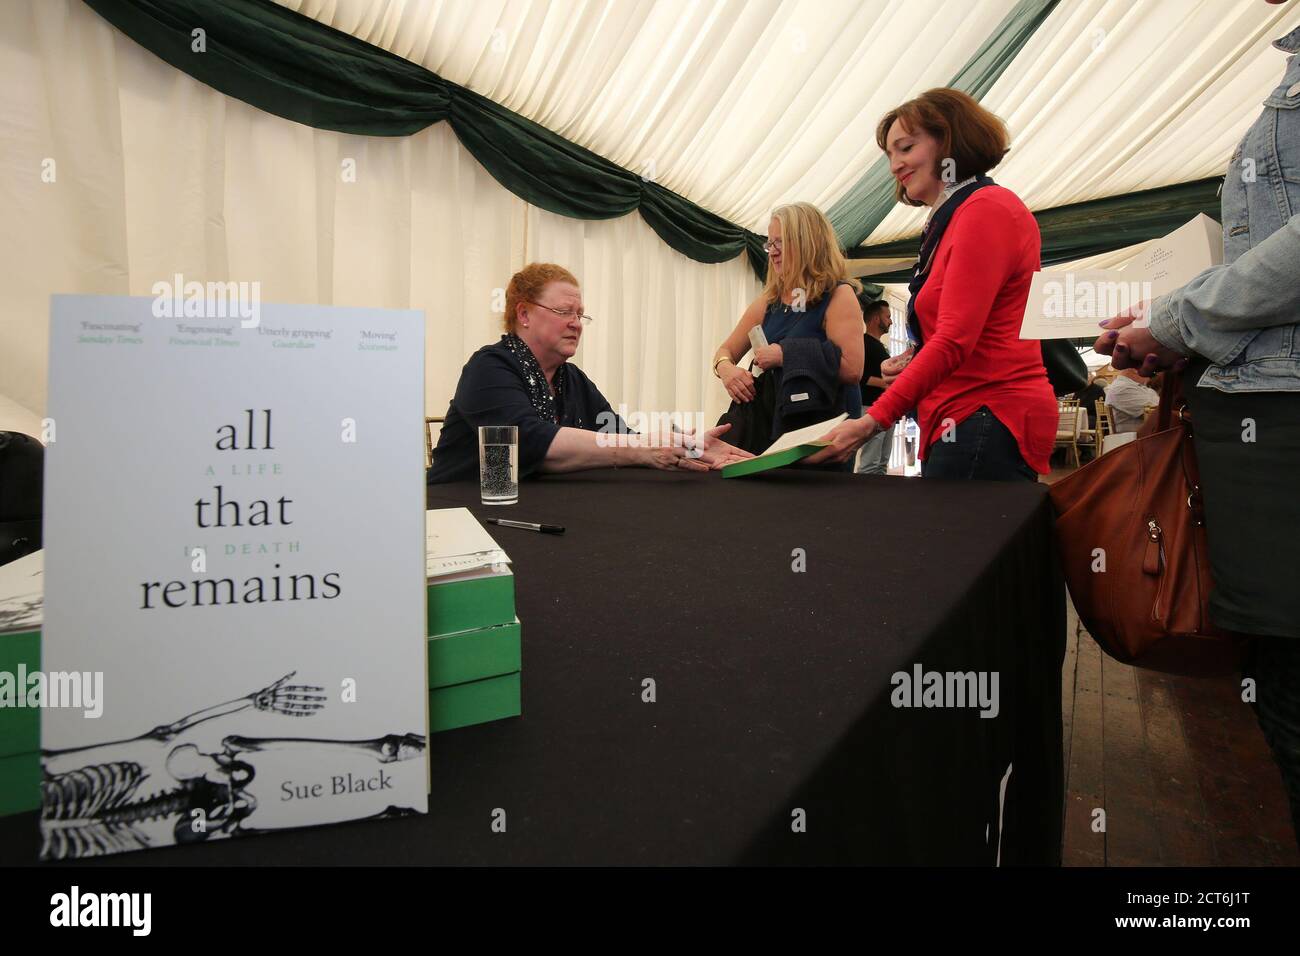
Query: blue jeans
[
  {"x": 980, "y": 448},
  {"x": 874, "y": 459}
]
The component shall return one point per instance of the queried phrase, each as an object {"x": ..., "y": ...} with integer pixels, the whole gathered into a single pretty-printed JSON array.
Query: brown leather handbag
[{"x": 1132, "y": 540}]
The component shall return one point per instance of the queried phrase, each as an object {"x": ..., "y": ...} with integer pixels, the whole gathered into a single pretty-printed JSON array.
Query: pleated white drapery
[
  {"x": 155, "y": 174},
  {"x": 738, "y": 105}
]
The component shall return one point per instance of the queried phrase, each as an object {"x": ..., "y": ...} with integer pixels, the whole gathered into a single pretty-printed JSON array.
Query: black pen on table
[{"x": 527, "y": 525}]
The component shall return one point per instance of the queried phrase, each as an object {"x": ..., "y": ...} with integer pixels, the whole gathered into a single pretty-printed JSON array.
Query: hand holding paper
[
  {"x": 768, "y": 356},
  {"x": 1131, "y": 344}
]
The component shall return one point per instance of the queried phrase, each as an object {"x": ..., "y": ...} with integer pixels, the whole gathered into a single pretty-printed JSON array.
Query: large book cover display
[
  {"x": 232, "y": 567},
  {"x": 474, "y": 674}
]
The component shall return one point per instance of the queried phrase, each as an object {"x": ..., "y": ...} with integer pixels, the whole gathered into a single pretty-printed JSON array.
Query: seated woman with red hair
[{"x": 564, "y": 423}]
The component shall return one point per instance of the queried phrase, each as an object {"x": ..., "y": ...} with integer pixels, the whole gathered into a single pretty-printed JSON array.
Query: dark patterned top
[
  {"x": 539, "y": 393},
  {"x": 503, "y": 384}
]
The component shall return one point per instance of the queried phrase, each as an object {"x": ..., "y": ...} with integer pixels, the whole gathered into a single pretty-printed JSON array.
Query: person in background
[
  {"x": 874, "y": 458},
  {"x": 1128, "y": 398},
  {"x": 1235, "y": 329},
  {"x": 1090, "y": 395},
  {"x": 527, "y": 380},
  {"x": 984, "y": 403},
  {"x": 809, "y": 313}
]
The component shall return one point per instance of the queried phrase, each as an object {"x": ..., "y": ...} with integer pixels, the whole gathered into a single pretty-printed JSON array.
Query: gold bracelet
[{"x": 719, "y": 360}]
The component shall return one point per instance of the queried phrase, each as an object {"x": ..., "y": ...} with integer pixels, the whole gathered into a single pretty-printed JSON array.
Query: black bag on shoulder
[{"x": 751, "y": 422}]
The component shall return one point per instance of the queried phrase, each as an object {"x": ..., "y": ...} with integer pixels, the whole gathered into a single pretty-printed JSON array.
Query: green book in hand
[{"x": 786, "y": 450}]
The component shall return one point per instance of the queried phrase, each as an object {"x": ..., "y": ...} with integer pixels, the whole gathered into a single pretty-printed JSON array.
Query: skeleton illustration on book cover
[{"x": 159, "y": 789}]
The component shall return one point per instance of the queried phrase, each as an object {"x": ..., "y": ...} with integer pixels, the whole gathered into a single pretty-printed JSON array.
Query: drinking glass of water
[{"x": 498, "y": 464}]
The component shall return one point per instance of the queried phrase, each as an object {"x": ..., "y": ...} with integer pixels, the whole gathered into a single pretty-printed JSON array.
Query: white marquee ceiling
[{"x": 743, "y": 104}]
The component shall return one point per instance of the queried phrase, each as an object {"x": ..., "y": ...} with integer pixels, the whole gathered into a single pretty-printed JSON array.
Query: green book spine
[
  {"x": 20, "y": 783},
  {"x": 752, "y": 466},
  {"x": 474, "y": 655},
  {"x": 476, "y": 702},
  {"x": 20, "y": 727},
  {"x": 468, "y": 605}
]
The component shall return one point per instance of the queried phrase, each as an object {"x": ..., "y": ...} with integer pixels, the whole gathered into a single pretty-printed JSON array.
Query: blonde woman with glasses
[{"x": 809, "y": 316}]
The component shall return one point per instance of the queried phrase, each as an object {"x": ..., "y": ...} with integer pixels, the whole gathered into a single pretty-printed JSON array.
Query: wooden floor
[{"x": 1178, "y": 765}]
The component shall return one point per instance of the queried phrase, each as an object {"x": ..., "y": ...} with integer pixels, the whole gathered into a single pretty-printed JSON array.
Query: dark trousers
[
  {"x": 1274, "y": 664},
  {"x": 981, "y": 448},
  {"x": 1248, "y": 449}
]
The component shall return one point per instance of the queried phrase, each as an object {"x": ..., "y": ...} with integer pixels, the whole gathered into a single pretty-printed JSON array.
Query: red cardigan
[{"x": 970, "y": 312}]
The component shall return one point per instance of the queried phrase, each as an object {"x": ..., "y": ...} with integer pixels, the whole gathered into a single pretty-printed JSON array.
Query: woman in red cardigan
[{"x": 981, "y": 393}]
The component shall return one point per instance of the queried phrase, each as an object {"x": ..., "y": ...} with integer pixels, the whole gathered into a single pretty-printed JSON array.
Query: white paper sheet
[{"x": 1072, "y": 303}]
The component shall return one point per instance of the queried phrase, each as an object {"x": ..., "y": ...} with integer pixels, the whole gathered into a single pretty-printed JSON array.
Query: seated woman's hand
[
  {"x": 1135, "y": 347},
  {"x": 845, "y": 439},
  {"x": 673, "y": 455},
  {"x": 738, "y": 383},
  {"x": 768, "y": 356},
  {"x": 716, "y": 452}
]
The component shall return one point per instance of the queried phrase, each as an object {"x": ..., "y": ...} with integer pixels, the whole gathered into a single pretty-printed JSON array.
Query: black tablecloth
[{"x": 772, "y": 686}]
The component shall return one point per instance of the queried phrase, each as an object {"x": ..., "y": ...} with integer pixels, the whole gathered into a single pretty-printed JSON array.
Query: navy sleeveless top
[{"x": 781, "y": 321}]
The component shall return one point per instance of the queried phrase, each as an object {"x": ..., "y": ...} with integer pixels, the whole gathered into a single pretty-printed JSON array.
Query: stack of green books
[
  {"x": 474, "y": 635},
  {"x": 21, "y": 595}
]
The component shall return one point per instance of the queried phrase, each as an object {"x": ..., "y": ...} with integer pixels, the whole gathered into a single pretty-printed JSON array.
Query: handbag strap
[{"x": 1172, "y": 402}]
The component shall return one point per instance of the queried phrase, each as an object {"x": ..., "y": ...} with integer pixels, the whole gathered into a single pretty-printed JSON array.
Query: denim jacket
[{"x": 1244, "y": 315}]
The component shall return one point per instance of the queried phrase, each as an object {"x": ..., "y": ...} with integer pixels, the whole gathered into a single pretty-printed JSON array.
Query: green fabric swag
[
  {"x": 1089, "y": 228},
  {"x": 857, "y": 213},
  {"x": 294, "y": 67}
]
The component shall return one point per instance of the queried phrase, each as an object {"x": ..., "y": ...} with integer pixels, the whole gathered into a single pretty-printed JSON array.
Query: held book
[{"x": 786, "y": 450}]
